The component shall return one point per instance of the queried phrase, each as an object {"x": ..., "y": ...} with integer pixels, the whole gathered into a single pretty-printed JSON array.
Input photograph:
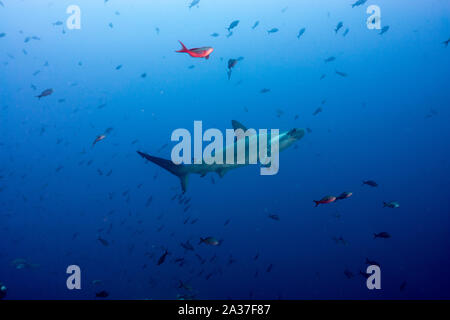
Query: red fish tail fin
[
  {"x": 316, "y": 202},
  {"x": 183, "y": 47}
]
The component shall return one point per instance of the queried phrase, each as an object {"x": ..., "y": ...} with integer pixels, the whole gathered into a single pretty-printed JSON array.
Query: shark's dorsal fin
[{"x": 237, "y": 125}]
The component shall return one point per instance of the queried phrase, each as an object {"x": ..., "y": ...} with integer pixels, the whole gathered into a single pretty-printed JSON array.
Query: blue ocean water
[{"x": 385, "y": 120}]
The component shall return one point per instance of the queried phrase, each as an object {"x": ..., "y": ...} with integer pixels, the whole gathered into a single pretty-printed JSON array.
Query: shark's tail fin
[{"x": 169, "y": 166}]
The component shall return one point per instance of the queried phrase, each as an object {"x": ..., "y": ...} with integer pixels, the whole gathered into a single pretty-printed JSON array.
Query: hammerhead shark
[{"x": 182, "y": 171}]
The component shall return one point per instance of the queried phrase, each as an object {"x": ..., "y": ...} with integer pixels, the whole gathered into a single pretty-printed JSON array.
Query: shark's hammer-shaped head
[
  {"x": 296, "y": 134},
  {"x": 290, "y": 137}
]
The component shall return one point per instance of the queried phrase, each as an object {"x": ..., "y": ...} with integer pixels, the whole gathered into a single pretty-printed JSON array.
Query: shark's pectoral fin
[{"x": 221, "y": 172}]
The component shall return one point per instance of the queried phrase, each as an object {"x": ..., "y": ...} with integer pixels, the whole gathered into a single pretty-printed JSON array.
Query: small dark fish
[
  {"x": 99, "y": 138},
  {"x": 111, "y": 25},
  {"x": 210, "y": 241},
  {"x": 323, "y": 76},
  {"x": 345, "y": 32},
  {"x": 149, "y": 201},
  {"x": 163, "y": 257},
  {"x": 103, "y": 242},
  {"x": 383, "y": 235},
  {"x": 338, "y": 27},
  {"x": 144, "y": 75},
  {"x": 330, "y": 59},
  {"x": 318, "y": 110},
  {"x": 392, "y": 204},
  {"x": 344, "y": 195},
  {"x": 57, "y": 23},
  {"x": 255, "y": 24},
  {"x": 264, "y": 90},
  {"x": 102, "y": 294},
  {"x": 340, "y": 240},
  {"x": 371, "y": 262},
  {"x": 359, "y": 3},
  {"x": 119, "y": 67},
  {"x": 301, "y": 32},
  {"x": 231, "y": 64},
  {"x": 363, "y": 274},
  {"x": 162, "y": 147},
  {"x": 403, "y": 286},
  {"x": 233, "y": 25},
  {"x": 2, "y": 35},
  {"x": 45, "y": 93},
  {"x": 269, "y": 268},
  {"x": 370, "y": 183},
  {"x": 202, "y": 261},
  {"x": 227, "y": 222},
  {"x": 446, "y": 42},
  {"x": 274, "y": 217},
  {"x": 348, "y": 274},
  {"x": 384, "y": 30},
  {"x": 342, "y": 74},
  {"x": 215, "y": 34},
  {"x": 187, "y": 245},
  {"x": 194, "y": 3},
  {"x": 273, "y": 30}
]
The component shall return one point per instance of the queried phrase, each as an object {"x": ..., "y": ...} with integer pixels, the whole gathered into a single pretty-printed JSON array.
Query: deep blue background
[{"x": 375, "y": 125}]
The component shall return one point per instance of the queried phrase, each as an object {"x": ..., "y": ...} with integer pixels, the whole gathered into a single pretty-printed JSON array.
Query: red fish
[
  {"x": 324, "y": 200},
  {"x": 99, "y": 138},
  {"x": 202, "y": 52}
]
